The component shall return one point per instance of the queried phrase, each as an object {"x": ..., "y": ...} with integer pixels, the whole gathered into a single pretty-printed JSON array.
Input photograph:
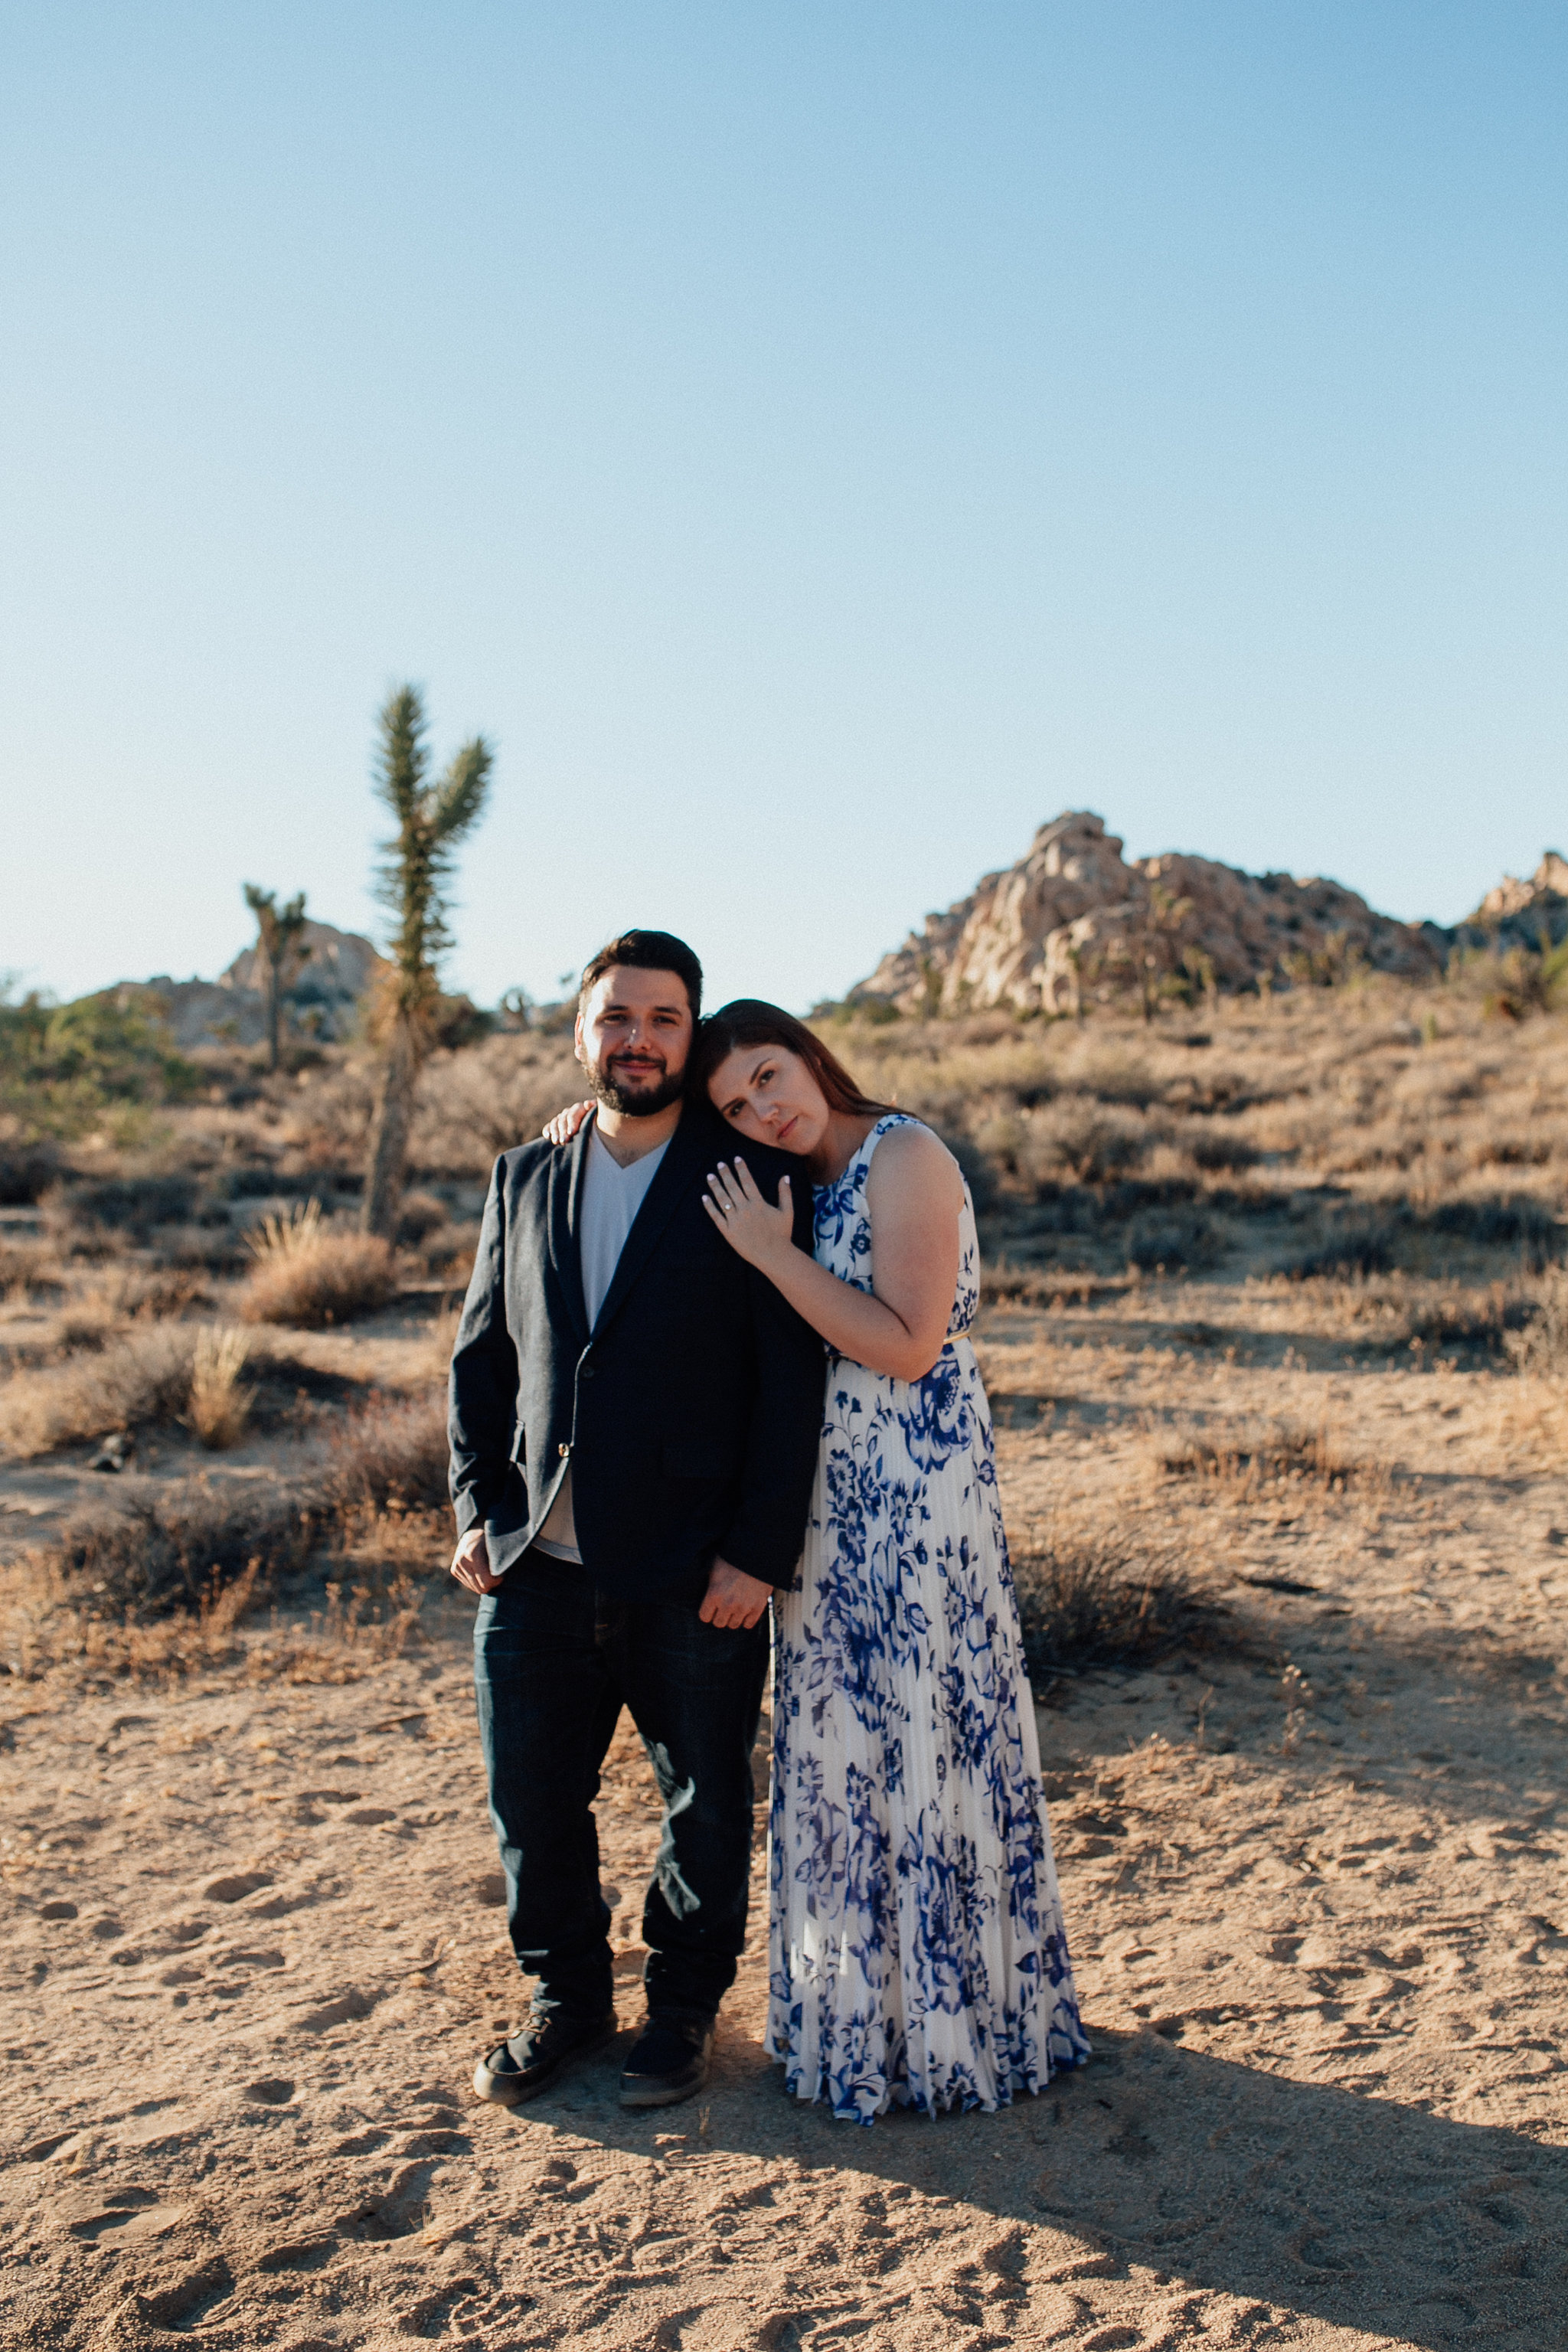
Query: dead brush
[
  {"x": 390, "y": 1455},
  {"x": 342, "y": 1643},
  {"x": 1091, "y": 1600},
  {"x": 219, "y": 1406},
  {"x": 308, "y": 1274},
  {"x": 159, "y": 1554},
  {"x": 141, "y": 1376},
  {"x": 1240, "y": 1464},
  {"x": 1542, "y": 1347},
  {"x": 58, "y": 1636}
]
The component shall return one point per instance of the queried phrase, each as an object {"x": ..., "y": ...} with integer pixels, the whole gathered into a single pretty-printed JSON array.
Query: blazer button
[
  {"x": 566, "y": 1450},
  {"x": 587, "y": 1372}
]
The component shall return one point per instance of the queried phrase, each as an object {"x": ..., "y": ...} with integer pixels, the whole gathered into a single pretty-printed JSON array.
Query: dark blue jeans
[{"x": 555, "y": 1663}]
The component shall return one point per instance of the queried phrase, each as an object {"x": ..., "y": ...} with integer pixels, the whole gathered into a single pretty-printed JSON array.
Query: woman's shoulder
[{"x": 910, "y": 1152}]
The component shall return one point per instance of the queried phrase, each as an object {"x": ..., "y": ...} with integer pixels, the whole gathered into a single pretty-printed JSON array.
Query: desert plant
[
  {"x": 431, "y": 820},
  {"x": 279, "y": 948},
  {"x": 309, "y": 1274},
  {"x": 392, "y": 1453},
  {"x": 146, "y": 1376},
  {"x": 220, "y": 1406},
  {"x": 1543, "y": 1345},
  {"x": 1090, "y": 1602},
  {"x": 1246, "y": 1459},
  {"x": 176, "y": 1549}
]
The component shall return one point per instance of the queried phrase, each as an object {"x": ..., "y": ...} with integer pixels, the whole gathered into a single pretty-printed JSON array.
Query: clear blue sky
[{"x": 818, "y": 442}]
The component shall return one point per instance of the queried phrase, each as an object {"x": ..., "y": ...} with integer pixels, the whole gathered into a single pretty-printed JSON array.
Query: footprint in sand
[
  {"x": 272, "y": 2091},
  {"x": 236, "y": 1889}
]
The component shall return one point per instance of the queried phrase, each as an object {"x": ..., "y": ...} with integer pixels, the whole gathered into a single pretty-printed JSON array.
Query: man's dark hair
[{"x": 647, "y": 951}]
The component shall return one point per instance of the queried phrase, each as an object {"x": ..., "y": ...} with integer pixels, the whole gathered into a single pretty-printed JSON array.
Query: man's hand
[
  {"x": 471, "y": 1563},
  {"x": 733, "y": 1599}
]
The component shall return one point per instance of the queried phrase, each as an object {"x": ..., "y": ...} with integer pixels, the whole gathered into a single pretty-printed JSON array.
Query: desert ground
[{"x": 1274, "y": 1340}]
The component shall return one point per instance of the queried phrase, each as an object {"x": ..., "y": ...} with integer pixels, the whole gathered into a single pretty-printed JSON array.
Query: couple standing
[{"x": 643, "y": 1457}]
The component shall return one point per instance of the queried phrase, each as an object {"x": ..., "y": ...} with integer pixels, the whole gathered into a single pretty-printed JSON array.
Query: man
[{"x": 634, "y": 1422}]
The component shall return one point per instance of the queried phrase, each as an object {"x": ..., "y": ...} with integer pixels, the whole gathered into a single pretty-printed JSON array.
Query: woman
[{"x": 916, "y": 1951}]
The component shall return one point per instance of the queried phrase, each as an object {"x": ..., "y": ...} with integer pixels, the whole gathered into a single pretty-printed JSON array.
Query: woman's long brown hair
[{"x": 748, "y": 1021}]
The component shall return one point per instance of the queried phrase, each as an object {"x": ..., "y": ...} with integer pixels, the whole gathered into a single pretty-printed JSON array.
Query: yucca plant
[
  {"x": 279, "y": 948},
  {"x": 431, "y": 820}
]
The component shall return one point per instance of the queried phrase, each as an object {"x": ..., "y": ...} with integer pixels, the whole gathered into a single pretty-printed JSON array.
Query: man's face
[{"x": 634, "y": 1033}]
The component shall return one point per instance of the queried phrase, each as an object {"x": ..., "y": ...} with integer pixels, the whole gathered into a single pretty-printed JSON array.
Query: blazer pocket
[
  {"x": 519, "y": 1446},
  {"x": 688, "y": 1457}
]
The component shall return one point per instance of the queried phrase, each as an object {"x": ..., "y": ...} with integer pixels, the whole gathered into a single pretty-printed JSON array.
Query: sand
[{"x": 1314, "y": 1886}]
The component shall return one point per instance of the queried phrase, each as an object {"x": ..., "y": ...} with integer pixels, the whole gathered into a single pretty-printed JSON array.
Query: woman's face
[{"x": 769, "y": 1095}]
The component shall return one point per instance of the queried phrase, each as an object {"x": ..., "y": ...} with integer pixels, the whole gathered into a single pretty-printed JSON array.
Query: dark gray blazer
[{"x": 692, "y": 1414}]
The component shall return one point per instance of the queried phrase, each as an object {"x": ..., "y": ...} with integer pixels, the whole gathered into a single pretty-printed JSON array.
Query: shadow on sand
[{"x": 1164, "y": 2169}]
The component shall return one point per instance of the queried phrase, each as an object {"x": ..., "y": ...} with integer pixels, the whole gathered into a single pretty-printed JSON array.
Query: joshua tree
[
  {"x": 1158, "y": 945},
  {"x": 431, "y": 820},
  {"x": 278, "y": 949}
]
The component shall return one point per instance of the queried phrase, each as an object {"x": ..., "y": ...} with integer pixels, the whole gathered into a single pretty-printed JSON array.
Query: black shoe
[
  {"x": 669, "y": 2060},
  {"x": 539, "y": 2051}
]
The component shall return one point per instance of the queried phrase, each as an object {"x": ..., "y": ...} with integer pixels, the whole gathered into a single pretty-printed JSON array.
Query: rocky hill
[
  {"x": 320, "y": 1002},
  {"x": 1075, "y": 919},
  {"x": 1523, "y": 914}
]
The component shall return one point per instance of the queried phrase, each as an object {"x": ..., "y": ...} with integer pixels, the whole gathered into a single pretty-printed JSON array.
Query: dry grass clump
[
  {"x": 309, "y": 1274},
  {"x": 56, "y": 1637},
  {"x": 145, "y": 1376},
  {"x": 1242, "y": 1462},
  {"x": 55, "y": 1633},
  {"x": 1090, "y": 1600},
  {"x": 167, "y": 1550},
  {"x": 219, "y": 1404},
  {"x": 390, "y": 1455},
  {"x": 1542, "y": 1347},
  {"x": 342, "y": 1643}
]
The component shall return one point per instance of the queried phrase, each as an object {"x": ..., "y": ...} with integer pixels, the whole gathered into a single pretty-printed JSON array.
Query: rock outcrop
[
  {"x": 1074, "y": 916},
  {"x": 320, "y": 1002},
  {"x": 1523, "y": 914}
]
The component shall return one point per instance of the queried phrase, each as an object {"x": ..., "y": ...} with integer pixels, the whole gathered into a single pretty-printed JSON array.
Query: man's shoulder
[{"x": 528, "y": 1163}]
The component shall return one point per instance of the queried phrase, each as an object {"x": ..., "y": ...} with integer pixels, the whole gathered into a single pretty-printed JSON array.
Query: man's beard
[{"x": 635, "y": 1102}]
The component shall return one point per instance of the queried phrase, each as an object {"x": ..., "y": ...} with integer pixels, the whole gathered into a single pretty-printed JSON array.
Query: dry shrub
[
  {"x": 1086, "y": 1140},
  {"x": 1026, "y": 1287},
  {"x": 1177, "y": 1235},
  {"x": 1244, "y": 1461},
  {"x": 219, "y": 1406},
  {"x": 391, "y": 1454},
  {"x": 476, "y": 1104},
  {"x": 82, "y": 1214},
  {"x": 173, "y": 1549},
  {"x": 145, "y": 1376},
  {"x": 1362, "y": 1244},
  {"x": 1542, "y": 1347},
  {"x": 56, "y": 1638},
  {"x": 54, "y": 1634},
  {"x": 29, "y": 1265},
  {"x": 1090, "y": 1600},
  {"x": 309, "y": 1274}
]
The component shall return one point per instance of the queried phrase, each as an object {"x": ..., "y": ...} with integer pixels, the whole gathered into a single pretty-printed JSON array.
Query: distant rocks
[
  {"x": 1074, "y": 916},
  {"x": 320, "y": 1002},
  {"x": 1523, "y": 914}
]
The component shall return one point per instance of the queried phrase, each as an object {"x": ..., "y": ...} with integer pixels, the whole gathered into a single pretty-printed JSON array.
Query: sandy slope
[{"x": 1322, "y": 1939}]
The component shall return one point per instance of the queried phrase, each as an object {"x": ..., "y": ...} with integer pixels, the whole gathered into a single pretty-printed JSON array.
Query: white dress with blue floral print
[{"x": 916, "y": 1951}]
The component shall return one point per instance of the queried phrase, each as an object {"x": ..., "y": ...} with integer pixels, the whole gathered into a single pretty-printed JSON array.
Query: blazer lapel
[
  {"x": 566, "y": 1217},
  {"x": 676, "y": 1171}
]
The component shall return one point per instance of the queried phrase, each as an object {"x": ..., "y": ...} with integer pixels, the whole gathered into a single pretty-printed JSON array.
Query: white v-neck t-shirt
[{"x": 612, "y": 1195}]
